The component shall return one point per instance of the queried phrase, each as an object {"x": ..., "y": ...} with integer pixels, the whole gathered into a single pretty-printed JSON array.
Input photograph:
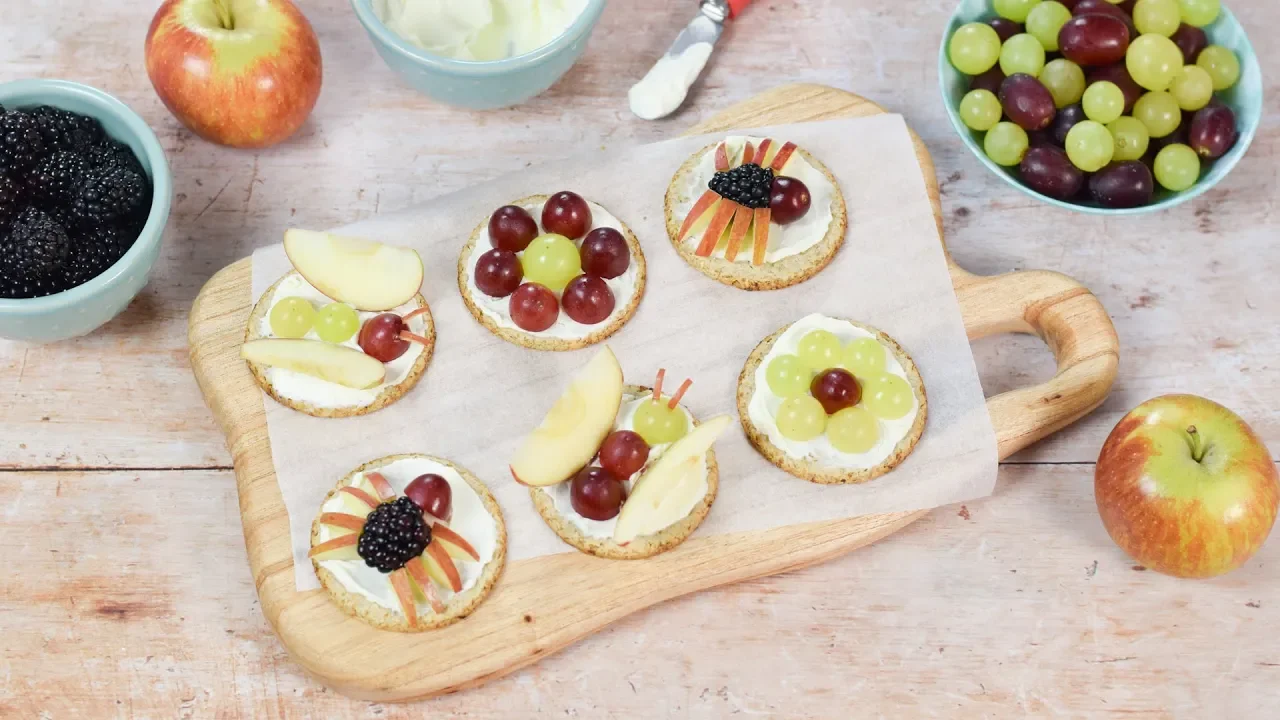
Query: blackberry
[
  {"x": 109, "y": 196},
  {"x": 65, "y": 130},
  {"x": 394, "y": 533},
  {"x": 56, "y": 179},
  {"x": 18, "y": 286},
  {"x": 93, "y": 251},
  {"x": 110, "y": 154},
  {"x": 10, "y": 201},
  {"x": 747, "y": 185},
  {"x": 37, "y": 244},
  {"x": 21, "y": 144}
]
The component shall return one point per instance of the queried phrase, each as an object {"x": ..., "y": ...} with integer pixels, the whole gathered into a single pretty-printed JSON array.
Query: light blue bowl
[
  {"x": 1244, "y": 98},
  {"x": 480, "y": 85},
  {"x": 82, "y": 309}
]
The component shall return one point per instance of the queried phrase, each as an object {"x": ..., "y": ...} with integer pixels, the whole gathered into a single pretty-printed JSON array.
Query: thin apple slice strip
[
  {"x": 741, "y": 223},
  {"x": 418, "y": 572},
  {"x": 748, "y": 154},
  {"x": 342, "y": 547},
  {"x": 404, "y": 593},
  {"x": 365, "y": 274},
  {"x": 380, "y": 486},
  {"x": 715, "y": 230},
  {"x": 441, "y": 568},
  {"x": 337, "y": 364},
  {"x": 361, "y": 495},
  {"x": 342, "y": 520},
  {"x": 722, "y": 157},
  {"x": 784, "y": 154},
  {"x": 699, "y": 209},
  {"x": 455, "y": 544},
  {"x": 762, "y": 152},
  {"x": 760, "y": 243}
]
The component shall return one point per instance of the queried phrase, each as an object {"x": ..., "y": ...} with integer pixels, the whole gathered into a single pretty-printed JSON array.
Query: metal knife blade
[{"x": 663, "y": 89}]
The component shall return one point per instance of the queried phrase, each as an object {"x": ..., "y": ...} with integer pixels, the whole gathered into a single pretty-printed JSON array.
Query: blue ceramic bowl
[
  {"x": 480, "y": 85},
  {"x": 1244, "y": 98},
  {"x": 82, "y": 309}
]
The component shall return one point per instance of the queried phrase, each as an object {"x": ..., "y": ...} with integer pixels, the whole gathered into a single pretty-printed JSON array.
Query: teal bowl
[
  {"x": 85, "y": 308},
  {"x": 1244, "y": 98},
  {"x": 480, "y": 85}
]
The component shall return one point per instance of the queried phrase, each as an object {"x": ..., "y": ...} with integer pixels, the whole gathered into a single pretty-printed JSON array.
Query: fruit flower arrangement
[
  {"x": 1098, "y": 102},
  {"x": 72, "y": 200}
]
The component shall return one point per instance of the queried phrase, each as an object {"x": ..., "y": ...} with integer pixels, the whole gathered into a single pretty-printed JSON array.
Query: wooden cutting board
[{"x": 543, "y": 604}]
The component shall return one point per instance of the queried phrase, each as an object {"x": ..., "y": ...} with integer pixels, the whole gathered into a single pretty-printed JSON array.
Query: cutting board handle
[{"x": 1070, "y": 320}]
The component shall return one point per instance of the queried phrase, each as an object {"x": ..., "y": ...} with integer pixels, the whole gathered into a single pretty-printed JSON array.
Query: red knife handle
[{"x": 737, "y": 6}]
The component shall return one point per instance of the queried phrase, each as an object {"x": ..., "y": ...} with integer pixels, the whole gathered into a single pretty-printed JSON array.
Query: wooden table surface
[{"x": 128, "y": 592}]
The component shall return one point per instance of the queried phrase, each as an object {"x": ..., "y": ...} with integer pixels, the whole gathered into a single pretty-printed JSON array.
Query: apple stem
[
  {"x": 224, "y": 15},
  {"x": 657, "y": 384},
  {"x": 684, "y": 388},
  {"x": 1197, "y": 445},
  {"x": 420, "y": 311},
  {"x": 412, "y": 337}
]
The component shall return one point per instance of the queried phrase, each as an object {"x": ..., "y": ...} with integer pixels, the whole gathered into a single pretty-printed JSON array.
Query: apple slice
[
  {"x": 342, "y": 521},
  {"x": 441, "y": 568},
  {"x": 342, "y": 547},
  {"x": 380, "y": 486},
  {"x": 699, "y": 209},
  {"x": 722, "y": 157},
  {"x": 651, "y": 506},
  {"x": 361, "y": 496},
  {"x": 784, "y": 154},
  {"x": 762, "y": 152},
  {"x": 363, "y": 273},
  {"x": 404, "y": 593},
  {"x": 760, "y": 243},
  {"x": 418, "y": 572},
  {"x": 337, "y": 364},
  {"x": 741, "y": 223},
  {"x": 719, "y": 222},
  {"x": 574, "y": 428},
  {"x": 454, "y": 544},
  {"x": 748, "y": 154}
]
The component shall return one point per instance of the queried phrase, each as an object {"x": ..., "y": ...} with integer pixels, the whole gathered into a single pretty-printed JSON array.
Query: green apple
[{"x": 1185, "y": 487}]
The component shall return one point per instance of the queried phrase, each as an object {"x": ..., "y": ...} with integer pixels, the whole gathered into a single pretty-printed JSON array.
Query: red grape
[
  {"x": 587, "y": 299},
  {"x": 512, "y": 228},
  {"x": 605, "y": 253},
  {"x": 1104, "y": 7},
  {"x": 596, "y": 493},
  {"x": 567, "y": 214},
  {"x": 788, "y": 200},
  {"x": 433, "y": 494},
  {"x": 989, "y": 80},
  {"x": 1094, "y": 39},
  {"x": 1036, "y": 138},
  {"x": 1119, "y": 74},
  {"x": 1005, "y": 27},
  {"x": 1066, "y": 119},
  {"x": 1049, "y": 171},
  {"x": 498, "y": 273},
  {"x": 836, "y": 389},
  {"x": 1123, "y": 185},
  {"x": 623, "y": 453},
  {"x": 533, "y": 307},
  {"x": 380, "y": 337},
  {"x": 1190, "y": 40},
  {"x": 1213, "y": 131},
  {"x": 1027, "y": 102}
]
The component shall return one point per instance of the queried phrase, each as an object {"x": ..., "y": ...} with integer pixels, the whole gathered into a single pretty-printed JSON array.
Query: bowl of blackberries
[
  {"x": 1102, "y": 106},
  {"x": 85, "y": 193}
]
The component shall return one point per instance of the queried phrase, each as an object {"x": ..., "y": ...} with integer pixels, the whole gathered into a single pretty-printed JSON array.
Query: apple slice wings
[
  {"x": 360, "y": 495},
  {"x": 404, "y": 593},
  {"x": 343, "y": 521},
  {"x": 455, "y": 544},
  {"x": 699, "y": 209},
  {"x": 441, "y": 568},
  {"x": 380, "y": 486},
  {"x": 784, "y": 154},
  {"x": 342, "y": 547},
  {"x": 365, "y": 274},
  {"x": 760, "y": 243},
  {"x": 418, "y": 572},
  {"x": 741, "y": 223},
  {"x": 762, "y": 152},
  {"x": 722, "y": 157},
  {"x": 711, "y": 238}
]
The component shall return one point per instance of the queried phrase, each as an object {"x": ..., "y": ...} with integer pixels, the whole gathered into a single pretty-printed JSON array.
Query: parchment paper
[{"x": 481, "y": 395}]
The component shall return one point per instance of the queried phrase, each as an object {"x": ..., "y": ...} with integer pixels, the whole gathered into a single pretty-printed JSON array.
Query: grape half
[
  {"x": 605, "y": 253},
  {"x": 835, "y": 390},
  {"x": 819, "y": 350},
  {"x": 533, "y": 307},
  {"x": 498, "y": 273},
  {"x": 864, "y": 356},
  {"x": 587, "y": 299},
  {"x": 854, "y": 430},
  {"x": 337, "y": 322},
  {"x": 658, "y": 424},
  {"x": 888, "y": 397},
  {"x": 787, "y": 376},
  {"x": 623, "y": 453},
  {"x": 551, "y": 260},
  {"x": 801, "y": 418},
  {"x": 292, "y": 317},
  {"x": 568, "y": 214}
]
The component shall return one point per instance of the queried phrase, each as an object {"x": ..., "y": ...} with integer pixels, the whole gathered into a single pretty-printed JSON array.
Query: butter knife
[{"x": 663, "y": 89}]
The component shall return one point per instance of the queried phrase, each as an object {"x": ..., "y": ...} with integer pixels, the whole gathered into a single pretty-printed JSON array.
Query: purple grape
[
  {"x": 989, "y": 80},
  {"x": 1123, "y": 185},
  {"x": 1027, "y": 101},
  {"x": 1049, "y": 171},
  {"x": 1190, "y": 40},
  {"x": 1066, "y": 119},
  {"x": 1005, "y": 28},
  {"x": 1213, "y": 131}
]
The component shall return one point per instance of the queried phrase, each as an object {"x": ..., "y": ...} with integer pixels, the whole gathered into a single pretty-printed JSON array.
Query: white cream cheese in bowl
[
  {"x": 470, "y": 519},
  {"x": 784, "y": 240},
  {"x": 763, "y": 406},
  {"x": 479, "y": 30},
  {"x": 301, "y": 387}
]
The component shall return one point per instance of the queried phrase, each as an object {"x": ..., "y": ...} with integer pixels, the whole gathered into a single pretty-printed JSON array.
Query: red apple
[
  {"x": 1185, "y": 487},
  {"x": 244, "y": 73}
]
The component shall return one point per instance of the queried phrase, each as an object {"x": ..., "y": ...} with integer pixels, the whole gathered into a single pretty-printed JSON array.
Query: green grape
[
  {"x": 292, "y": 317},
  {"x": 1177, "y": 167},
  {"x": 1159, "y": 112},
  {"x": 658, "y": 424},
  {"x": 1103, "y": 102},
  {"x": 551, "y": 260},
  {"x": 974, "y": 48},
  {"x": 1192, "y": 87},
  {"x": 337, "y": 322},
  {"x": 1090, "y": 146},
  {"x": 1022, "y": 53},
  {"x": 853, "y": 430},
  {"x": 1131, "y": 138},
  {"x": 801, "y": 418},
  {"x": 787, "y": 376},
  {"x": 1006, "y": 144},
  {"x": 1153, "y": 60},
  {"x": 1160, "y": 17},
  {"x": 1065, "y": 81},
  {"x": 980, "y": 110},
  {"x": 889, "y": 396},
  {"x": 1045, "y": 21},
  {"x": 864, "y": 357},
  {"x": 1221, "y": 64},
  {"x": 1199, "y": 12},
  {"x": 819, "y": 350},
  {"x": 1015, "y": 10}
]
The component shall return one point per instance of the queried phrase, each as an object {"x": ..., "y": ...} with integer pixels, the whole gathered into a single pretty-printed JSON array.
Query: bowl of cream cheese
[{"x": 479, "y": 54}]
